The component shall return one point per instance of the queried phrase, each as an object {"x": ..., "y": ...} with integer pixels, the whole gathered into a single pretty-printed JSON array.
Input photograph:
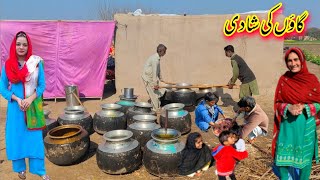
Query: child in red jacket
[{"x": 226, "y": 156}]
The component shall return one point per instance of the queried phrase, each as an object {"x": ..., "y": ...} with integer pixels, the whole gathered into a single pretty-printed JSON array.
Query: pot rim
[
  {"x": 143, "y": 105},
  {"x": 173, "y": 106},
  {"x": 144, "y": 126},
  {"x": 183, "y": 90},
  {"x": 110, "y": 106},
  {"x": 144, "y": 118},
  {"x": 69, "y": 126},
  {"x": 128, "y": 103},
  {"x": 183, "y": 84},
  {"x": 74, "y": 110},
  {"x": 114, "y": 133},
  {"x": 176, "y": 133}
]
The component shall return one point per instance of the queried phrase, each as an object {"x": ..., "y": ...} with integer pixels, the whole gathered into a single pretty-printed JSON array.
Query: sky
[{"x": 89, "y": 9}]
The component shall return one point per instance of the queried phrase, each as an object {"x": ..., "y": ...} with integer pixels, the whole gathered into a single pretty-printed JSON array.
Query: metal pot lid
[
  {"x": 161, "y": 135},
  {"x": 173, "y": 106},
  {"x": 117, "y": 135},
  {"x": 143, "y": 105},
  {"x": 145, "y": 118},
  {"x": 108, "y": 106},
  {"x": 183, "y": 84}
]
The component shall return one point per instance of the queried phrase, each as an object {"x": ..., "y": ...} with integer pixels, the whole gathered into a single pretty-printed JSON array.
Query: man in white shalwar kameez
[{"x": 151, "y": 76}]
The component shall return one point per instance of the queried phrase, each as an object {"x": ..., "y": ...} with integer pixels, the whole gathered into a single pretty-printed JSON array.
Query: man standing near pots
[
  {"x": 151, "y": 77},
  {"x": 241, "y": 71}
]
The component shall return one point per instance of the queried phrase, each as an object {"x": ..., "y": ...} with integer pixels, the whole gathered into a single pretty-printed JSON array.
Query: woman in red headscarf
[
  {"x": 296, "y": 104},
  {"x": 22, "y": 84}
]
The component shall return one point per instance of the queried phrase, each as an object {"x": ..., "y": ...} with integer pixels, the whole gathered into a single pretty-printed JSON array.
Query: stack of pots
[
  {"x": 142, "y": 128},
  {"x": 77, "y": 115},
  {"x": 66, "y": 144},
  {"x": 185, "y": 96},
  {"x": 119, "y": 154},
  {"x": 50, "y": 123},
  {"x": 109, "y": 118},
  {"x": 178, "y": 118},
  {"x": 162, "y": 153},
  {"x": 139, "y": 108}
]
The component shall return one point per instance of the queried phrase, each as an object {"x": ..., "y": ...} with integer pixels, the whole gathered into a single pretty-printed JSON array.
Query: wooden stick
[
  {"x": 258, "y": 148},
  {"x": 171, "y": 83},
  {"x": 266, "y": 173},
  {"x": 77, "y": 98},
  {"x": 200, "y": 86},
  {"x": 254, "y": 176}
]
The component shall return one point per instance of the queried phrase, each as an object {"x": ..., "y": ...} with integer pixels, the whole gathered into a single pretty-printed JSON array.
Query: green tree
[{"x": 314, "y": 32}]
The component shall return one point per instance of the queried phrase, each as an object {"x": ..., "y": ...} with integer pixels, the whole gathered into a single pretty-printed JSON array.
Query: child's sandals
[
  {"x": 45, "y": 177},
  {"x": 22, "y": 175}
]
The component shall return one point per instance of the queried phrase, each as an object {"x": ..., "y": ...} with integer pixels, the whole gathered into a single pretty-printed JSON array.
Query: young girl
[
  {"x": 226, "y": 156},
  {"x": 196, "y": 156}
]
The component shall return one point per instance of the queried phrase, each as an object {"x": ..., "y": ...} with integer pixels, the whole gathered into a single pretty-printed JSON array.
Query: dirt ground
[{"x": 256, "y": 166}]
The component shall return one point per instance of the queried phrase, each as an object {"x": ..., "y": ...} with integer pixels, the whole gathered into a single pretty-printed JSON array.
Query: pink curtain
[{"x": 74, "y": 53}]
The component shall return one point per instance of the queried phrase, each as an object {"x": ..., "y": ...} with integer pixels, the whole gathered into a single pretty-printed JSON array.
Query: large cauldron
[
  {"x": 185, "y": 96},
  {"x": 143, "y": 127},
  {"x": 139, "y": 108},
  {"x": 201, "y": 92},
  {"x": 119, "y": 154},
  {"x": 163, "y": 152},
  {"x": 50, "y": 123},
  {"x": 77, "y": 115},
  {"x": 178, "y": 118},
  {"x": 109, "y": 118},
  {"x": 125, "y": 105},
  {"x": 66, "y": 144}
]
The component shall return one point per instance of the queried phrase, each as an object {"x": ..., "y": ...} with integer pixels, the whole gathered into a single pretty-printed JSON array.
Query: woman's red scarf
[
  {"x": 293, "y": 88},
  {"x": 14, "y": 74}
]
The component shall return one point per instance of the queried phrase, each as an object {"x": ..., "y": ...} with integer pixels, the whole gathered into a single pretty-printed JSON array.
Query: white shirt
[{"x": 240, "y": 145}]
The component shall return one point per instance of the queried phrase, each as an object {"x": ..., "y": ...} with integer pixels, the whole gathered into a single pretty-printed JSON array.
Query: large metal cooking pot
[
  {"x": 109, "y": 118},
  {"x": 178, "y": 118},
  {"x": 77, "y": 115},
  {"x": 185, "y": 96},
  {"x": 120, "y": 153},
  {"x": 202, "y": 91},
  {"x": 139, "y": 108},
  {"x": 66, "y": 144},
  {"x": 163, "y": 153}
]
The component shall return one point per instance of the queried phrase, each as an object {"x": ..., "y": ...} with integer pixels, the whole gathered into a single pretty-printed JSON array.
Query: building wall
[{"x": 195, "y": 51}]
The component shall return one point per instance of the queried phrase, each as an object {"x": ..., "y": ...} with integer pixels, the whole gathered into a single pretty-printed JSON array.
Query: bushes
[{"x": 311, "y": 57}]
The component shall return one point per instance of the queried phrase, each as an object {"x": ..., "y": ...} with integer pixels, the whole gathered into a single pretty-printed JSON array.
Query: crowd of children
[{"x": 197, "y": 156}]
